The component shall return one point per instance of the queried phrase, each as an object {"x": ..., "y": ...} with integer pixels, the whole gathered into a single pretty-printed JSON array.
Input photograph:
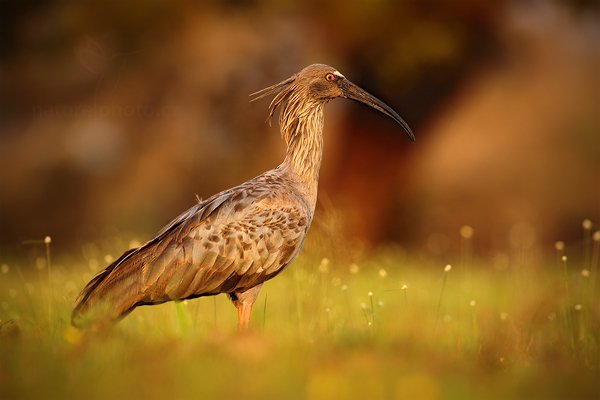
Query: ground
[{"x": 388, "y": 326}]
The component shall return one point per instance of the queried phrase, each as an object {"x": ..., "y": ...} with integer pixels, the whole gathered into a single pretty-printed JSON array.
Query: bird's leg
[
  {"x": 244, "y": 301},
  {"x": 244, "y": 311}
]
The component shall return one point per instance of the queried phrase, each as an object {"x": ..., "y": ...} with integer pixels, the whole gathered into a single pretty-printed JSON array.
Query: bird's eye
[{"x": 330, "y": 77}]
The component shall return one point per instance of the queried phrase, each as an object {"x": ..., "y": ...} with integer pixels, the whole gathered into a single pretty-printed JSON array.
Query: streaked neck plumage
[{"x": 301, "y": 124}]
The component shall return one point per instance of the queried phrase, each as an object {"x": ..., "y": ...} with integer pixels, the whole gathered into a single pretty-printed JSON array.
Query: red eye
[{"x": 330, "y": 77}]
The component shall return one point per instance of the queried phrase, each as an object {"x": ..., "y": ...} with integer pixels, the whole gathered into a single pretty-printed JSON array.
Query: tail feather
[
  {"x": 122, "y": 286},
  {"x": 111, "y": 294}
]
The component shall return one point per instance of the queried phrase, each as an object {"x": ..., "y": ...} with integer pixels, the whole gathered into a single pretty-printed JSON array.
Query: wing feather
[{"x": 231, "y": 242}]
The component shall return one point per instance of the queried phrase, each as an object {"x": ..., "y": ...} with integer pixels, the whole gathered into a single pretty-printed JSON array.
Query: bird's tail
[{"x": 111, "y": 294}]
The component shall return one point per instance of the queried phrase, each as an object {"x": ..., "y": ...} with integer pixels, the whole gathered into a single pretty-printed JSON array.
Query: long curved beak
[{"x": 351, "y": 91}]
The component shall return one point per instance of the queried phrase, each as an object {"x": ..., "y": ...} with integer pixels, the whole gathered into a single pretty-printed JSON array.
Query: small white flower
[
  {"x": 382, "y": 273},
  {"x": 47, "y": 240},
  {"x": 466, "y": 231},
  {"x": 578, "y": 307},
  {"x": 447, "y": 268},
  {"x": 559, "y": 246},
  {"x": 324, "y": 265},
  {"x": 404, "y": 287},
  {"x": 585, "y": 273},
  {"x": 472, "y": 303},
  {"x": 586, "y": 224},
  {"x": 354, "y": 269}
]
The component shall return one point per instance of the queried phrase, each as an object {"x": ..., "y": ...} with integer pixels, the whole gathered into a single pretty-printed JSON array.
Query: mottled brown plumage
[{"x": 239, "y": 238}]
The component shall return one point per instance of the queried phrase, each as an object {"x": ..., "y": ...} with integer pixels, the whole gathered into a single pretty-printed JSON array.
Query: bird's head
[{"x": 319, "y": 83}]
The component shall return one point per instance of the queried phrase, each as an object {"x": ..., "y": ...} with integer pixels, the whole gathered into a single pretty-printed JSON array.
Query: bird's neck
[{"x": 302, "y": 130}]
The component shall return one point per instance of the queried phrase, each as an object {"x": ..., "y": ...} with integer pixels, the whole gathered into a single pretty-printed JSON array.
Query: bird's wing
[
  {"x": 230, "y": 242},
  {"x": 242, "y": 244}
]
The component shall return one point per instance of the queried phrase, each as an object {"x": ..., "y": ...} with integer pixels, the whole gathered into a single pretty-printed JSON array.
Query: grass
[{"x": 385, "y": 326}]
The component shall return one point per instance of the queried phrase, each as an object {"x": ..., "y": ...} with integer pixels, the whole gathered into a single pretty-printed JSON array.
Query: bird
[{"x": 239, "y": 238}]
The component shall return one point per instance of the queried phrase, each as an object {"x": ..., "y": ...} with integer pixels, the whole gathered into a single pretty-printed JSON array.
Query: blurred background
[{"x": 115, "y": 115}]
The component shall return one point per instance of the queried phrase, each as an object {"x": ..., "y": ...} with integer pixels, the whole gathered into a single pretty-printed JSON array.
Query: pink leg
[
  {"x": 244, "y": 301},
  {"x": 244, "y": 311}
]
